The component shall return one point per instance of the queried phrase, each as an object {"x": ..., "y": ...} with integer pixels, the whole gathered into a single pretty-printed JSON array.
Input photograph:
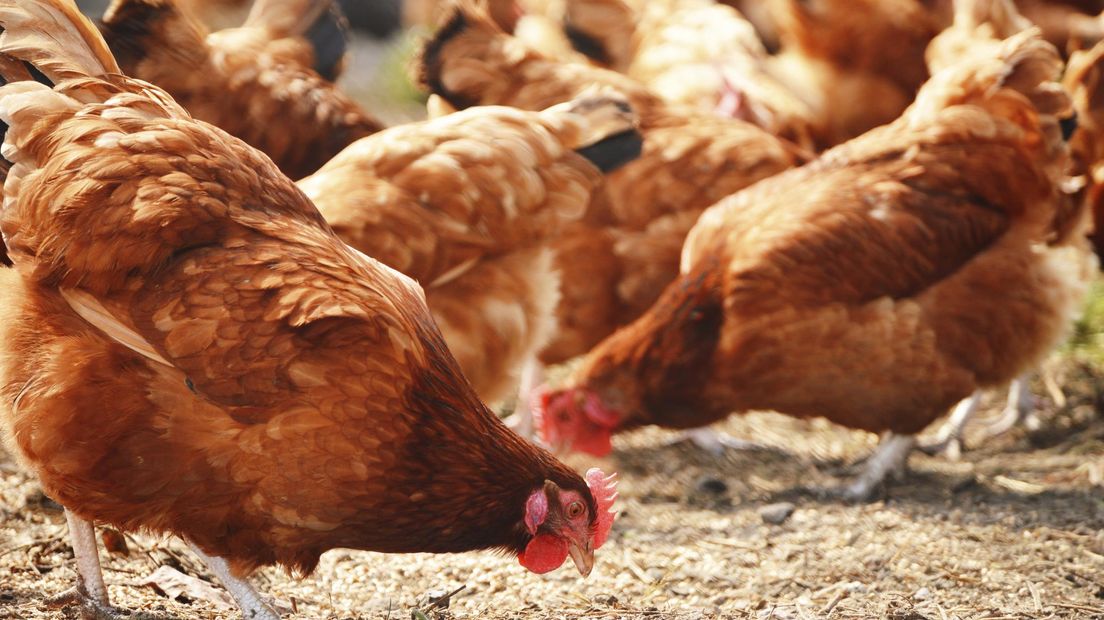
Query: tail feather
[
  {"x": 463, "y": 16},
  {"x": 135, "y": 29},
  {"x": 609, "y": 138},
  {"x": 319, "y": 22},
  {"x": 1023, "y": 64},
  {"x": 54, "y": 38}
]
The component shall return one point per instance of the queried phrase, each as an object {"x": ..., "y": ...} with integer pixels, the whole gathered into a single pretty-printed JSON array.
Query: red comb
[{"x": 603, "y": 488}]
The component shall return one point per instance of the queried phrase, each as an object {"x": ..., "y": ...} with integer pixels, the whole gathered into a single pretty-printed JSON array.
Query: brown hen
[
  {"x": 856, "y": 63},
  {"x": 689, "y": 161},
  {"x": 876, "y": 286},
  {"x": 466, "y": 205},
  {"x": 188, "y": 348},
  {"x": 269, "y": 82},
  {"x": 696, "y": 53}
]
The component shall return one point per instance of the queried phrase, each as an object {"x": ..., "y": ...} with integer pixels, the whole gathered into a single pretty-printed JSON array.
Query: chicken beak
[{"x": 583, "y": 557}]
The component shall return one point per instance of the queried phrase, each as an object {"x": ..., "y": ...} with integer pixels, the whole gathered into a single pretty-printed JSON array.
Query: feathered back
[{"x": 55, "y": 37}]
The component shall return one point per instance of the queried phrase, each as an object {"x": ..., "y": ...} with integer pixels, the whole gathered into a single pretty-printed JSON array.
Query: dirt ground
[{"x": 1013, "y": 530}]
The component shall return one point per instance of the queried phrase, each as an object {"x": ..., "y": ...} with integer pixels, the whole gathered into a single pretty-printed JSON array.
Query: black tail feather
[
  {"x": 329, "y": 36},
  {"x": 615, "y": 151},
  {"x": 429, "y": 61}
]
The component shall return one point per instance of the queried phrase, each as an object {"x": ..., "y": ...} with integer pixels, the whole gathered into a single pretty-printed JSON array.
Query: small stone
[
  {"x": 922, "y": 594},
  {"x": 712, "y": 485},
  {"x": 608, "y": 600},
  {"x": 776, "y": 514}
]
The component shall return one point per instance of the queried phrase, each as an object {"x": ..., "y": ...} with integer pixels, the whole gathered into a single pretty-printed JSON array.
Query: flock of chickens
[{"x": 241, "y": 311}]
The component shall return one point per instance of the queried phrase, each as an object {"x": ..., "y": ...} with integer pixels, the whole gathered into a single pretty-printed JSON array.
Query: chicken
[
  {"x": 856, "y": 63},
  {"x": 1085, "y": 81},
  {"x": 690, "y": 52},
  {"x": 982, "y": 23},
  {"x": 875, "y": 287},
  {"x": 689, "y": 161},
  {"x": 1070, "y": 25},
  {"x": 466, "y": 204},
  {"x": 276, "y": 70},
  {"x": 189, "y": 348}
]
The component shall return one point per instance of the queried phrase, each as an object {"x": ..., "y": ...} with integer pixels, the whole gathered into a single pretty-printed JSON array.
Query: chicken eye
[{"x": 574, "y": 510}]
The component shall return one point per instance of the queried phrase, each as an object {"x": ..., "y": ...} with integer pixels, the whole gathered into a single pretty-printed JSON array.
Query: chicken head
[{"x": 562, "y": 525}]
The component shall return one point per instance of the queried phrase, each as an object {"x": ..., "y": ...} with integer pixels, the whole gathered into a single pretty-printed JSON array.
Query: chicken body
[
  {"x": 276, "y": 71},
  {"x": 466, "y": 204},
  {"x": 689, "y": 161},
  {"x": 876, "y": 286},
  {"x": 856, "y": 63},
  {"x": 695, "y": 53},
  {"x": 190, "y": 349}
]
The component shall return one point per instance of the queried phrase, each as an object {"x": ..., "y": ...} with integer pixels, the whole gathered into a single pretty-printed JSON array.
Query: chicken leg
[
  {"x": 890, "y": 458},
  {"x": 251, "y": 604},
  {"x": 521, "y": 421},
  {"x": 90, "y": 593},
  {"x": 1019, "y": 409}
]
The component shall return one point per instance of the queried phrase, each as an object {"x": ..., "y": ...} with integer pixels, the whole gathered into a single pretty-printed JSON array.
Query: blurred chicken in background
[
  {"x": 276, "y": 70},
  {"x": 695, "y": 53},
  {"x": 876, "y": 286},
  {"x": 856, "y": 63},
  {"x": 467, "y": 205},
  {"x": 690, "y": 160}
]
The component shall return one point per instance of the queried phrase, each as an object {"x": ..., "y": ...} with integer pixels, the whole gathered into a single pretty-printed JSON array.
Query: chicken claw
[
  {"x": 890, "y": 458},
  {"x": 91, "y": 608},
  {"x": 949, "y": 438}
]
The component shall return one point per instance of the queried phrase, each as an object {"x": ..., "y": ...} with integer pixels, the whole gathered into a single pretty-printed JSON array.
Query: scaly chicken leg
[
  {"x": 1018, "y": 409},
  {"x": 890, "y": 458},
  {"x": 521, "y": 421},
  {"x": 251, "y": 604},
  {"x": 90, "y": 593}
]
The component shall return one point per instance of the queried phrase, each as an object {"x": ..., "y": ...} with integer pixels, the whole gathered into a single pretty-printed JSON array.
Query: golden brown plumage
[
  {"x": 690, "y": 159},
  {"x": 1085, "y": 80},
  {"x": 466, "y": 204},
  {"x": 189, "y": 348},
  {"x": 696, "y": 53},
  {"x": 1069, "y": 25},
  {"x": 276, "y": 71},
  {"x": 876, "y": 286},
  {"x": 856, "y": 63}
]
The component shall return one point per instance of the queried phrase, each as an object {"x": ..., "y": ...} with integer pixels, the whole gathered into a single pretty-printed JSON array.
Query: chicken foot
[
  {"x": 890, "y": 458},
  {"x": 90, "y": 593},
  {"x": 251, "y": 604},
  {"x": 1019, "y": 409}
]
